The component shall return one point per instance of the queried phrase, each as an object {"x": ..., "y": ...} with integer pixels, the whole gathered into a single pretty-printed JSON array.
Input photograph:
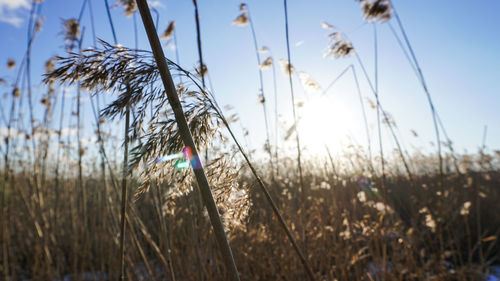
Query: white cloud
[
  {"x": 10, "y": 10},
  {"x": 155, "y": 4},
  {"x": 14, "y": 4}
]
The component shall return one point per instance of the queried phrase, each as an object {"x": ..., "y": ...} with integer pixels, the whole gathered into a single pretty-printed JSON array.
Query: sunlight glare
[{"x": 324, "y": 122}]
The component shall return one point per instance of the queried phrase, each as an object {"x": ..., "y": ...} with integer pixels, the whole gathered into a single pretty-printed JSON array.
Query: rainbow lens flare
[{"x": 186, "y": 155}]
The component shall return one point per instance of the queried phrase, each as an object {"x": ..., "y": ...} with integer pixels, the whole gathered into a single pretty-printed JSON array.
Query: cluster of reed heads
[{"x": 433, "y": 218}]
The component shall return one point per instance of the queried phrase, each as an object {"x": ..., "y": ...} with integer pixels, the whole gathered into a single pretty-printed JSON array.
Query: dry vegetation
[
  {"x": 391, "y": 217},
  {"x": 349, "y": 231}
]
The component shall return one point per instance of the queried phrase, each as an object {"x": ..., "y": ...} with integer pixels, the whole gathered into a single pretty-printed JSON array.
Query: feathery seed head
[
  {"x": 287, "y": 68},
  {"x": 16, "y": 92},
  {"x": 11, "y": 63},
  {"x": 326, "y": 25},
  {"x": 241, "y": 20},
  {"x": 376, "y": 10},
  {"x": 267, "y": 63},
  {"x": 169, "y": 30},
  {"x": 129, "y": 5},
  {"x": 49, "y": 65},
  {"x": 310, "y": 85},
  {"x": 71, "y": 31},
  {"x": 263, "y": 50}
]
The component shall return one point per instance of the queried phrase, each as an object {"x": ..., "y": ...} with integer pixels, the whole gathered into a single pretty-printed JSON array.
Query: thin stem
[
  {"x": 325, "y": 91},
  {"x": 108, "y": 12},
  {"x": 263, "y": 101},
  {"x": 386, "y": 118},
  {"x": 59, "y": 140},
  {"x": 440, "y": 123},
  {"x": 157, "y": 19},
  {"x": 81, "y": 186},
  {"x": 202, "y": 70},
  {"x": 334, "y": 169},
  {"x": 276, "y": 124},
  {"x": 379, "y": 129},
  {"x": 427, "y": 93},
  {"x": 405, "y": 52},
  {"x": 198, "y": 42},
  {"x": 124, "y": 195},
  {"x": 365, "y": 119},
  {"x": 104, "y": 194},
  {"x": 483, "y": 143},
  {"x": 30, "y": 95},
  {"x": 136, "y": 36},
  {"x": 82, "y": 10},
  {"x": 177, "y": 57},
  {"x": 297, "y": 138},
  {"x": 92, "y": 23}
]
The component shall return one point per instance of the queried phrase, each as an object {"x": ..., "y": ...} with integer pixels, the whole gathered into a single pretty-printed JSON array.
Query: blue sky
[{"x": 457, "y": 43}]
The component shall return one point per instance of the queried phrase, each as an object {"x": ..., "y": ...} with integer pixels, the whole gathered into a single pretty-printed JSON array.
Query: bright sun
[{"x": 323, "y": 122}]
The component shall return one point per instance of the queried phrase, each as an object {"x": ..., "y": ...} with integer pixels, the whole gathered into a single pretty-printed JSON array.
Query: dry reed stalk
[
  {"x": 427, "y": 93},
  {"x": 6, "y": 179},
  {"x": 124, "y": 194},
  {"x": 290, "y": 72},
  {"x": 246, "y": 18},
  {"x": 379, "y": 129},
  {"x": 187, "y": 138},
  {"x": 33, "y": 29},
  {"x": 165, "y": 232},
  {"x": 386, "y": 119},
  {"x": 276, "y": 123},
  {"x": 202, "y": 71},
  {"x": 202, "y": 67},
  {"x": 141, "y": 251}
]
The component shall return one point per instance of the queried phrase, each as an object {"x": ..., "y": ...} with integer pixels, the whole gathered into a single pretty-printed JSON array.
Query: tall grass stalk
[
  {"x": 297, "y": 137},
  {"x": 81, "y": 151},
  {"x": 202, "y": 71},
  {"x": 440, "y": 123},
  {"x": 165, "y": 231},
  {"x": 80, "y": 155},
  {"x": 386, "y": 118},
  {"x": 262, "y": 92},
  {"x": 427, "y": 93},
  {"x": 31, "y": 35},
  {"x": 110, "y": 19},
  {"x": 58, "y": 155},
  {"x": 177, "y": 57},
  {"x": 276, "y": 121},
  {"x": 187, "y": 138},
  {"x": 125, "y": 173},
  {"x": 102, "y": 196},
  {"x": 379, "y": 129},
  {"x": 41, "y": 222},
  {"x": 365, "y": 120},
  {"x": 202, "y": 68},
  {"x": 198, "y": 44}
]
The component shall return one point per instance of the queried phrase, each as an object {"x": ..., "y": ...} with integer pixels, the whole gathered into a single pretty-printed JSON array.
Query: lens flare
[{"x": 184, "y": 159}]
